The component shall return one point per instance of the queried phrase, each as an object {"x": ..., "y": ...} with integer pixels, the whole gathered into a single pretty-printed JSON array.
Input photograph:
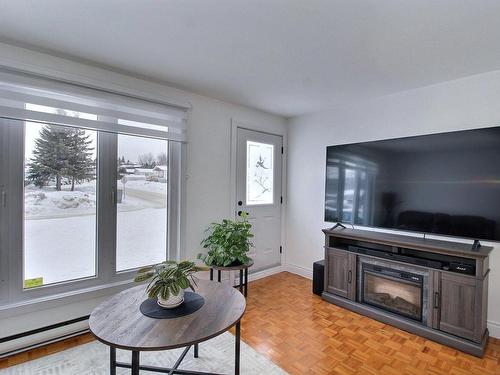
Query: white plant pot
[{"x": 172, "y": 301}]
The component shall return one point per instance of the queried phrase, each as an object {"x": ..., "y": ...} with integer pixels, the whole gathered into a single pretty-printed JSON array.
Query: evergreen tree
[
  {"x": 80, "y": 165},
  {"x": 61, "y": 152},
  {"x": 50, "y": 156}
]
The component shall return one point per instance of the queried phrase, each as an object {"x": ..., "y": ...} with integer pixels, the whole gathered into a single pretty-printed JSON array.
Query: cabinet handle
[
  {"x": 436, "y": 300},
  {"x": 349, "y": 276}
]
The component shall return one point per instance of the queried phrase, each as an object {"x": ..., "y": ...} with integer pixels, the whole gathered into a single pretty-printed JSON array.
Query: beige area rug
[{"x": 215, "y": 355}]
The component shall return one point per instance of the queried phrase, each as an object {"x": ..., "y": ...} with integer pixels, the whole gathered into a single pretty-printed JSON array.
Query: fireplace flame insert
[{"x": 393, "y": 290}]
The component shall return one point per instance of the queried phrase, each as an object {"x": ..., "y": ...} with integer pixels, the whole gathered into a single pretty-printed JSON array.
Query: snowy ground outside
[{"x": 60, "y": 229}]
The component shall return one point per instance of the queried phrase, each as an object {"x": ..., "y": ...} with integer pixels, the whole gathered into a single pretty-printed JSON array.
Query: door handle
[
  {"x": 349, "y": 276},
  {"x": 3, "y": 198},
  {"x": 242, "y": 212},
  {"x": 436, "y": 300}
]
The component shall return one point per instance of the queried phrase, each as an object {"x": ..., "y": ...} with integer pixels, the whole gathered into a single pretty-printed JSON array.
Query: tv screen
[{"x": 447, "y": 184}]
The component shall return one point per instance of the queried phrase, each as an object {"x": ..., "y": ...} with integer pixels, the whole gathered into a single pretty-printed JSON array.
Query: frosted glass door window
[
  {"x": 260, "y": 173},
  {"x": 60, "y": 204},
  {"x": 141, "y": 202}
]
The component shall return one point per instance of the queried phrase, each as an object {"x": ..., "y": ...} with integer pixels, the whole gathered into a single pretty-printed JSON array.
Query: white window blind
[{"x": 37, "y": 99}]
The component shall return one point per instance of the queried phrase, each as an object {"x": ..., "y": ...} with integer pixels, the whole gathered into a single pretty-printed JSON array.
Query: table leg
[
  {"x": 246, "y": 282},
  {"x": 135, "y": 363},
  {"x": 237, "y": 350},
  {"x": 112, "y": 361},
  {"x": 241, "y": 281},
  {"x": 211, "y": 274},
  {"x": 195, "y": 350},
  {"x": 219, "y": 275}
]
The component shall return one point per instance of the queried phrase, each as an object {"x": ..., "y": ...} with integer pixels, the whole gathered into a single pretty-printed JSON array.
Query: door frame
[{"x": 235, "y": 124}]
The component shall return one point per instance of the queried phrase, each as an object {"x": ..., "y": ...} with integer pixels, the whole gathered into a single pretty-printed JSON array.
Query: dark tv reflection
[{"x": 445, "y": 183}]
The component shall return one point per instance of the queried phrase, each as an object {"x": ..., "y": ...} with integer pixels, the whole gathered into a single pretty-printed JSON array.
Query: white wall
[
  {"x": 462, "y": 104},
  {"x": 208, "y": 154}
]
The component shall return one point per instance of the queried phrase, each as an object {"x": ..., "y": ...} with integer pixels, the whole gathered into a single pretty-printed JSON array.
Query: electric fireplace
[{"x": 398, "y": 289}]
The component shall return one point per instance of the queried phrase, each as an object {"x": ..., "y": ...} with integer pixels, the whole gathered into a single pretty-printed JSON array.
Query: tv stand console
[{"x": 432, "y": 288}]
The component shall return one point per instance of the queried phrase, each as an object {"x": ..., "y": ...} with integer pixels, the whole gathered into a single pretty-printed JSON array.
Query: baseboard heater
[{"x": 35, "y": 338}]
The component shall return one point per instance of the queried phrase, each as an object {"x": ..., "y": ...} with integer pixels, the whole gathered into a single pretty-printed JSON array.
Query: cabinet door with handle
[
  {"x": 341, "y": 273},
  {"x": 458, "y": 301}
]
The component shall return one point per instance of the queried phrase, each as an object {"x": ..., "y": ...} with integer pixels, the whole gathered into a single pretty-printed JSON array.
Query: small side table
[{"x": 243, "y": 268}]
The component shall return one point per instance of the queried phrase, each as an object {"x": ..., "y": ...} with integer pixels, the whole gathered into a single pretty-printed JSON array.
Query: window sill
[{"x": 55, "y": 300}]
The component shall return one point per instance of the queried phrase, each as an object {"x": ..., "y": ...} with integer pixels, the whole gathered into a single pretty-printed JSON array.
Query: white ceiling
[{"x": 282, "y": 56}]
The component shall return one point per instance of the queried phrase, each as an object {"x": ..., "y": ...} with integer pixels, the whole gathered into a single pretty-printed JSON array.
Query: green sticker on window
[{"x": 32, "y": 283}]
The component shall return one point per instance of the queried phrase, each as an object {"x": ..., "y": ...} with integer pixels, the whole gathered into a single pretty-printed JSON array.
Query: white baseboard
[
  {"x": 265, "y": 273},
  {"x": 233, "y": 278},
  {"x": 298, "y": 270},
  {"x": 494, "y": 328}
]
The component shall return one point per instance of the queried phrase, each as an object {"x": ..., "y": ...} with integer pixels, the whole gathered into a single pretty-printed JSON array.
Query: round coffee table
[
  {"x": 118, "y": 323},
  {"x": 243, "y": 285}
]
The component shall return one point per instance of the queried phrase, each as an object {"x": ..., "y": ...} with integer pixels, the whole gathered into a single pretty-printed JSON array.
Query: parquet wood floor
[{"x": 305, "y": 335}]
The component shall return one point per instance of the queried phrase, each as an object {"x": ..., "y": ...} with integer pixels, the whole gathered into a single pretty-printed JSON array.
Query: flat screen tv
[{"x": 446, "y": 184}]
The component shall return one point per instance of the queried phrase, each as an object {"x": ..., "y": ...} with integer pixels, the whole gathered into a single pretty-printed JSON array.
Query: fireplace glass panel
[{"x": 394, "y": 295}]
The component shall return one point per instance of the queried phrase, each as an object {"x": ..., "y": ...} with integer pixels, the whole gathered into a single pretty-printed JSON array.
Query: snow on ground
[
  {"x": 40, "y": 203},
  {"x": 60, "y": 230},
  {"x": 60, "y": 249},
  {"x": 141, "y": 240},
  {"x": 152, "y": 186},
  {"x": 46, "y": 202}
]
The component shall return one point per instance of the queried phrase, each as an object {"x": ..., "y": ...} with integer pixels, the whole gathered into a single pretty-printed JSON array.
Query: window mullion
[
  {"x": 106, "y": 206},
  {"x": 176, "y": 191},
  {"x": 4, "y": 275}
]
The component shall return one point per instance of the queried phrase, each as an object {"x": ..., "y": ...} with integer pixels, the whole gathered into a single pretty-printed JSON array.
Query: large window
[
  {"x": 90, "y": 189},
  {"x": 61, "y": 202},
  {"x": 84, "y": 207}
]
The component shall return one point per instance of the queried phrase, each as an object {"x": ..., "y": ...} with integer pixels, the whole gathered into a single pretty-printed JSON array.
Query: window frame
[
  {"x": 13, "y": 295},
  {"x": 4, "y": 208}
]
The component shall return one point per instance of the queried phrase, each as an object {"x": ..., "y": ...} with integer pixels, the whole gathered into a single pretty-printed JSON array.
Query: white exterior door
[{"x": 258, "y": 192}]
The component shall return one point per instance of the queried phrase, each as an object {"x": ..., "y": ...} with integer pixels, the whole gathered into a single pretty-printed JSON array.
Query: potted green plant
[
  {"x": 168, "y": 280},
  {"x": 227, "y": 243}
]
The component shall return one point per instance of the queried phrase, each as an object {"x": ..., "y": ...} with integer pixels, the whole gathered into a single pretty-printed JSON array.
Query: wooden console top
[{"x": 417, "y": 243}]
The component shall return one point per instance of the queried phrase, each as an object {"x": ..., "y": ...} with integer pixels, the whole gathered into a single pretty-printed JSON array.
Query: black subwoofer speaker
[{"x": 318, "y": 277}]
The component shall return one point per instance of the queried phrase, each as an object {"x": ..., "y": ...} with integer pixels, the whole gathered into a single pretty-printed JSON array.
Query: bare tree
[
  {"x": 162, "y": 158},
  {"x": 147, "y": 160}
]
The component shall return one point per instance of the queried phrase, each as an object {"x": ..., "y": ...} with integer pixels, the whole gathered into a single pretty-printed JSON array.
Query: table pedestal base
[{"x": 135, "y": 366}]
